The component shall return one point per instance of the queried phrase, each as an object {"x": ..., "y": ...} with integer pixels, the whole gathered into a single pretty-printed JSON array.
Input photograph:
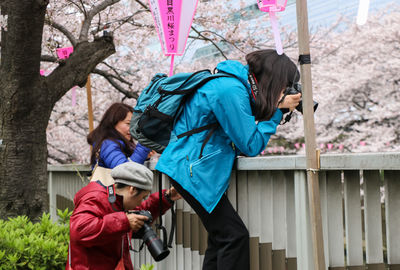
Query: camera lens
[{"x": 154, "y": 244}]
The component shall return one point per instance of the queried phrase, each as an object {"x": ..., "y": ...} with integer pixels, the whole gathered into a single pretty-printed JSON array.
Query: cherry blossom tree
[
  {"x": 27, "y": 99},
  {"x": 30, "y": 33},
  {"x": 115, "y": 43}
]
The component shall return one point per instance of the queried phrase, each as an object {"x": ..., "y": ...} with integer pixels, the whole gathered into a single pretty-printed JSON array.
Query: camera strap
[
  {"x": 112, "y": 198},
  {"x": 160, "y": 226},
  {"x": 253, "y": 85}
]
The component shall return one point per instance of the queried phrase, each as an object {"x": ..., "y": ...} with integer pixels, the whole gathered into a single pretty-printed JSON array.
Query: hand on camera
[
  {"x": 290, "y": 101},
  {"x": 136, "y": 221}
]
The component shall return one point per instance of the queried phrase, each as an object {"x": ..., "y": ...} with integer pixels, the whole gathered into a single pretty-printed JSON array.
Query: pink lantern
[
  {"x": 272, "y": 6},
  {"x": 173, "y": 19},
  {"x": 64, "y": 53}
]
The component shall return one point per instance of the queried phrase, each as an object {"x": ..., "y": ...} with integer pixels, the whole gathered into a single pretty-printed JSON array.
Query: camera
[
  {"x": 156, "y": 247},
  {"x": 295, "y": 89}
]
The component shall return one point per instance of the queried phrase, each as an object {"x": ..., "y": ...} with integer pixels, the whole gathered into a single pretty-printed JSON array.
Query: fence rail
[{"x": 360, "y": 206}]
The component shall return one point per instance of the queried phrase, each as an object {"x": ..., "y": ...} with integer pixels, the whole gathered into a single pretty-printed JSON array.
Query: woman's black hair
[
  {"x": 106, "y": 130},
  {"x": 273, "y": 73},
  {"x": 121, "y": 185}
]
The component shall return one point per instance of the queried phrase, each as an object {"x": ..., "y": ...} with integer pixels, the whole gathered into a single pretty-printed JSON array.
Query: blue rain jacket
[{"x": 227, "y": 101}]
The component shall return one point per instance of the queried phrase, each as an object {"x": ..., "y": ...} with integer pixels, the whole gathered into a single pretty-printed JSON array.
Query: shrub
[{"x": 41, "y": 245}]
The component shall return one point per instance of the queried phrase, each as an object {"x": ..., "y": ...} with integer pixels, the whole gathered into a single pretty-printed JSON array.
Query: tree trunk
[
  {"x": 23, "y": 158},
  {"x": 27, "y": 100}
]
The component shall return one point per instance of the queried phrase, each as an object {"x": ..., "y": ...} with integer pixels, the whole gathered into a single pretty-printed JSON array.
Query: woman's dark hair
[
  {"x": 273, "y": 73},
  {"x": 106, "y": 130}
]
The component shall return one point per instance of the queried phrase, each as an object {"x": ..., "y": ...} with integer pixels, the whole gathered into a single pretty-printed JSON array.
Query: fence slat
[
  {"x": 324, "y": 213},
  {"x": 266, "y": 214},
  {"x": 352, "y": 202},
  {"x": 305, "y": 257},
  {"x": 290, "y": 216},
  {"x": 254, "y": 213},
  {"x": 392, "y": 214},
  {"x": 373, "y": 217},
  {"x": 279, "y": 220},
  {"x": 335, "y": 219},
  {"x": 242, "y": 197},
  {"x": 279, "y": 210},
  {"x": 232, "y": 195}
]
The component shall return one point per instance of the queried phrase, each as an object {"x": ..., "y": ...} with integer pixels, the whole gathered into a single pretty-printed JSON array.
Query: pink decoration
[
  {"x": 341, "y": 146},
  {"x": 282, "y": 149},
  {"x": 303, "y": 145},
  {"x": 73, "y": 96},
  {"x": 297, "y": 145},
  {"x": 63, "y": 53},
  {"x": 272, "y": 6},
  {"x": 363, "y": 143},
  {"x": 42, "y": 72},
  {"x": 322, "y": 146},
  {"x": 330, "y": 146},
  {"x": 173, "y": 19}
]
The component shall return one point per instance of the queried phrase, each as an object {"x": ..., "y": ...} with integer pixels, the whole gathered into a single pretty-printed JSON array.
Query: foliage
[
  {"x": 147, "y": 267},
  {"x": 27, "y": 245}
]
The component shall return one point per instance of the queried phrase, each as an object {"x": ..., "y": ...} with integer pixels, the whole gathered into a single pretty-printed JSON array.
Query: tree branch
[
  {"x": 210, "y": 40},
  {"x": 62, "y": 29},
  {"x": 142, "y": 4},
  {"x": 117, "y": 75},
  {"x": 83, "y": 36},
  {"x": 75, "y": 70},
  {"x": 49, "y": 58},
  {"x": 110, "y": 78}
]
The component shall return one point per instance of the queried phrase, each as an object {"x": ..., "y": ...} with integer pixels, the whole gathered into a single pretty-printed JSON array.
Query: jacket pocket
[
  {"x": 209, "y": 176},
  {"x": 204, "y": 159}
]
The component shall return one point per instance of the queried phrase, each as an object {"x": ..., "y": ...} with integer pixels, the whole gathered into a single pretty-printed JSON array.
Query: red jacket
[{"x": 97, "y": 231}]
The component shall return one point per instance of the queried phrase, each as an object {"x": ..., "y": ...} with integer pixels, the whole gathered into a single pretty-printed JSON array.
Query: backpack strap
[{"x": 198, "y": 130}]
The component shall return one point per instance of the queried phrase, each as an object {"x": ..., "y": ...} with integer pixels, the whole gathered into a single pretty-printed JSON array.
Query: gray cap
[{"x": 133, "y": 174}]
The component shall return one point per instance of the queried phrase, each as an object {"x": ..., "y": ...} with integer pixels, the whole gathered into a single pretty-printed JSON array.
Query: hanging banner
[
  {"x": 173, "y": 19},
  {"x": 64, "y": 53},
  {"x": 273, "y": 6},
  {"x": 362, "y": 14}
]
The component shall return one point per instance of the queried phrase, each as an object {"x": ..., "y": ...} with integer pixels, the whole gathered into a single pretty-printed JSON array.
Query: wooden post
[
  {"x": 89, "y": 101},
  {"x": 312, "y": 159}
]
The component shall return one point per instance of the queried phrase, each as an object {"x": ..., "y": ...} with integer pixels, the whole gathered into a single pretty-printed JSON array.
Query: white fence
[{"x": 360, "y": 204}]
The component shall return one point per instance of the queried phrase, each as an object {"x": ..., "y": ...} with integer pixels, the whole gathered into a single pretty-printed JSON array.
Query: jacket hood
[{"x": 237, "y": 69}]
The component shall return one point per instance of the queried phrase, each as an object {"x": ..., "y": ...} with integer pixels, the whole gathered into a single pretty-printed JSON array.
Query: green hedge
[{"x": 41, "y": 245}]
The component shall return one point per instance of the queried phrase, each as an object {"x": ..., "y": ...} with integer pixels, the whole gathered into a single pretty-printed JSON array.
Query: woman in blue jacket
[
  {"x": 247, "y": 115},
  {"x": 112, "y": 140}
]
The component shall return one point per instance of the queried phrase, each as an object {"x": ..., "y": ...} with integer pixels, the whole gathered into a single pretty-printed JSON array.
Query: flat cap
[{"x": 133, "y": 174}]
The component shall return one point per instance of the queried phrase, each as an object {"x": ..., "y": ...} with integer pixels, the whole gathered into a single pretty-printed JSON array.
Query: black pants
[{"x": 228, "y": 237}]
